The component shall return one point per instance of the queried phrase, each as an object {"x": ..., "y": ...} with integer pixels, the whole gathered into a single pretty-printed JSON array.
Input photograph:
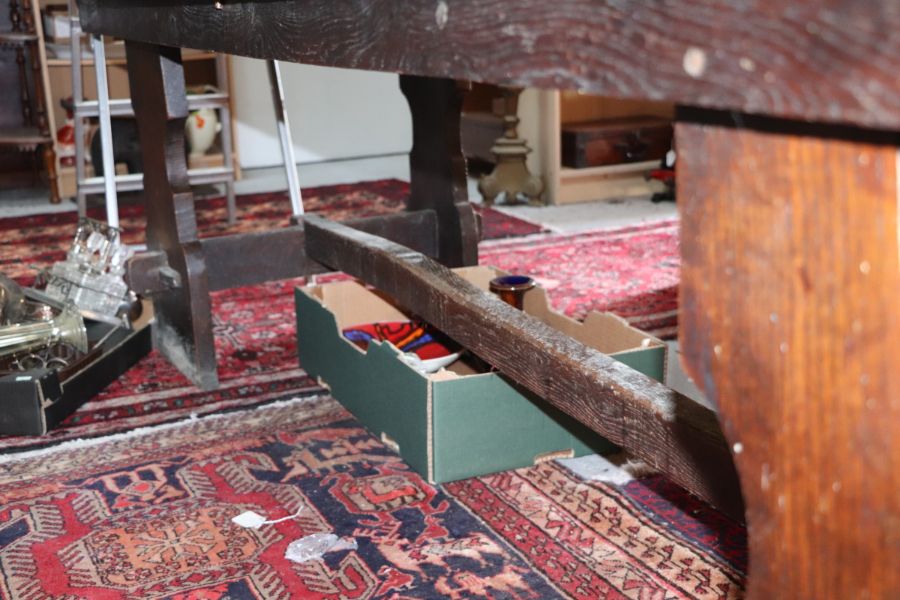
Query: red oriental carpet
[
  {"x": 633, "y": 272},
  {"x": 40, "y": 240},
  {"x": 148, "y": 515},
  {"x": 255, "y": 333}
]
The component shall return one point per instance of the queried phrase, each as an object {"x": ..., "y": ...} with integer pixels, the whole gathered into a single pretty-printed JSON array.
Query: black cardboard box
[{"x": 35, "y": 401}]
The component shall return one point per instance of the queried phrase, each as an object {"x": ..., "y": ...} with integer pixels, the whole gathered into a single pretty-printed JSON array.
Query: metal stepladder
[
  {"x": 104, "y": 109},
  {"x": 284, "y": 136}
]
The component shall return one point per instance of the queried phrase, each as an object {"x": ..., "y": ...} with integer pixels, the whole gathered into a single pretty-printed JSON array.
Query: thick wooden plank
[
  {"x": 248, "y": 258},
  {"x": 671, "y": 432},
  {"x": 790, "y": 322},
  {"x": 183, "y": 328},
  {"x": 823, "y": 60}
]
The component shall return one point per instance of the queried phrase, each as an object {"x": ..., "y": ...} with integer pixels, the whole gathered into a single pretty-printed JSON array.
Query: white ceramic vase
[{"x": 201, "y": 128}]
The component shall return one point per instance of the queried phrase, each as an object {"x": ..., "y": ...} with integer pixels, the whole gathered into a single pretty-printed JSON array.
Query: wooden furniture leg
[
  {"x": 49, "y": 157},
  {"x": 40, "y": 109},
  {"x": 183, "y": 329},
  {"x": 438, "y": 167},
  {"x": 790, "y": 322}
]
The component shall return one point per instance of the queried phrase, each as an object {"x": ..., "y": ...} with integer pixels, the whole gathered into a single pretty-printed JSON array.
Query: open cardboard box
[{"x": 458, "y": 422}]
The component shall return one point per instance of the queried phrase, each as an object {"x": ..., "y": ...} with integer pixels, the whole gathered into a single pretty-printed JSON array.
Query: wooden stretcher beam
[
  {"x": 674, "y": 434},
  {"x": 248, "y": 258}
]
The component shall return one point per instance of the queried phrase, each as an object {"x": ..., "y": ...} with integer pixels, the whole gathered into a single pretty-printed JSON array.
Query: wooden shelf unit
[
  {"x": 199, "y": 69},
  {"x": 26, "y": 40},
  {"x": 119, "y": 61},
  {"x": 212, "y": 160},
  {"x": 564, "y": 185}
]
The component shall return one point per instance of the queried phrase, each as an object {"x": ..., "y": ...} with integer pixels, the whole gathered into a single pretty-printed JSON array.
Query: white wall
[
  {"x": 531, "y": 128},
  {"x": 334, "y": 113}
]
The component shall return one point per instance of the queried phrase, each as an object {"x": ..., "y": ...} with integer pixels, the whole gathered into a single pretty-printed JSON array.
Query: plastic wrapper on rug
[{"x": 313, "y": 546}]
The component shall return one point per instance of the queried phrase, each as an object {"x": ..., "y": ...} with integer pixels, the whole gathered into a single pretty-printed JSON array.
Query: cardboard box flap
[
  {"x": 605, "y": 332},
  {"x": 615, "y": 334},
  {"x": 480, "y": 276},
  {"x": 352, "y": 303}
]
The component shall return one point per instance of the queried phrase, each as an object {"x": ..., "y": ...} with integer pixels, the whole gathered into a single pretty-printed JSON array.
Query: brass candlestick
[
  {"x": 511, "y": 176},
  {"x": 67, "y": 327}
]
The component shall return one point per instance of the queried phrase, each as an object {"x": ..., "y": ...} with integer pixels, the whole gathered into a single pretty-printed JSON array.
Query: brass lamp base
[{"x": 511, "y": 176}]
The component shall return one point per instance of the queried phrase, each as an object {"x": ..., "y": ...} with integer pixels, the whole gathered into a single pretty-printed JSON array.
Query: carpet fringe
[{"x": 80, "y": 443}]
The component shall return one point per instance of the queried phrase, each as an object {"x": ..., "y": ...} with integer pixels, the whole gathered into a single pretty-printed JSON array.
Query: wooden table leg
[
  {"x": 790, "y": 321},
  {"x": 438, "y": 167},
  {"x": 183, "y": 328}
]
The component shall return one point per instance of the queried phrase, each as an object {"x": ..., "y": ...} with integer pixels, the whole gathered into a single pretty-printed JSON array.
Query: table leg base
[{"x": 789, "y": 322}]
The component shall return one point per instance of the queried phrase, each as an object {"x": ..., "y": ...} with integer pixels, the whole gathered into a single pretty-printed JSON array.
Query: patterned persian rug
[
  {"x": 255, "y": 332},
  {"x": 40, "y": 240},
  {"x": 148, "y": 515},
  {"x": 141, "y": 505},
  {"x": 632, "y": 272},
  {"x": 256, "y": 354}
]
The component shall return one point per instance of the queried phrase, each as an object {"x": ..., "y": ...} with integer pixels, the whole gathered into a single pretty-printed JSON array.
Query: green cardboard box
[{"x": 455, "y": 423}]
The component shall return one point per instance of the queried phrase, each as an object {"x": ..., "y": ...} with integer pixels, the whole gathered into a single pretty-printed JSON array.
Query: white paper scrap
[
  {"x": 253, "y": 520},
  {"x": 249, "y": 519}
]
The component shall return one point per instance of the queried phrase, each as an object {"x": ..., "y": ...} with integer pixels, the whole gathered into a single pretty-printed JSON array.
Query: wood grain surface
[
  {"x": 790, "y": 322},
  {"x": 790, "y": 242},
  {"x": 437, "y": 167},
  {"x": 671, "y": 432},
  {"x": 255, "y": 257},
  {"x": 821, "y": 60},
  {"x": 183, "y": 327}
]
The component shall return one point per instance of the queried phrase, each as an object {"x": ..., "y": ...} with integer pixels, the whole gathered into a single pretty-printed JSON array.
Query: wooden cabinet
[
  {"x": 615, "y": 141},
  {"x": 545, "y": 112}
]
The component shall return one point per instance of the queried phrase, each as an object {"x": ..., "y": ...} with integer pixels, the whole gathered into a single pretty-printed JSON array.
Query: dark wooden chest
[{"x": 615, "y": 141}]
